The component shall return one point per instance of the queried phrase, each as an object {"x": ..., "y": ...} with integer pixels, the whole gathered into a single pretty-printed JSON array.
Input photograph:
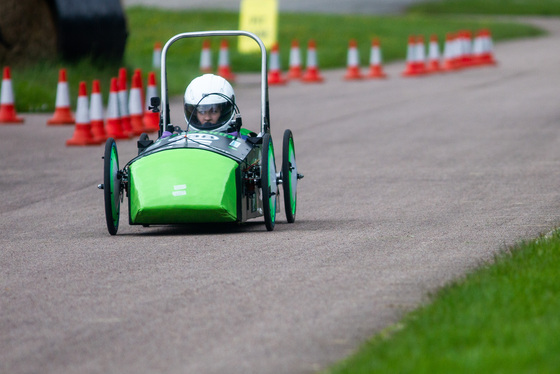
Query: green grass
[
  {"x": 501, "y": 318},
  {"x": 501, "y": 7},
  {"x": 35, "y": 86}
]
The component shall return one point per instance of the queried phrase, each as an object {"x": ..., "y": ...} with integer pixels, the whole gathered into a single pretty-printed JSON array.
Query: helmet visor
[
  {"x": 209, "y": 108},
  {"x": 209, "y": 116}
]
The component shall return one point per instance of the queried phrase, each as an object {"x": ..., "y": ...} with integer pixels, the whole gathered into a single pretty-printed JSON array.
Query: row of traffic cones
[
  {"x": 310, "y": 75},
  {"x": 125, "y": 116},
  {"x": 460, "y": 52},
  {"x": 224, "y": 69},
  {"x": 353, "y": 71}
]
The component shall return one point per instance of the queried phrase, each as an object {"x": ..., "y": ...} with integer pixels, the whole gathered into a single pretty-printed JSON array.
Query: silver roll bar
[{"x": 265, "y": 116}]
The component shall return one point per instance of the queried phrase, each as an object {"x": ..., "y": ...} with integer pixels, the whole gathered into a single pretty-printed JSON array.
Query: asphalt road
[{"x": 409, "y": 183}]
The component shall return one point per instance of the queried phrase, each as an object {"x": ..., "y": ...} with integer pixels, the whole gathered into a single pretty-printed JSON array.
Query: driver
[{"x": 209, "y": 103}]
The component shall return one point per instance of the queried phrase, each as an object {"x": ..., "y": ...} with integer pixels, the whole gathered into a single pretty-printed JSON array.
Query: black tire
[
  {"x": 289, "y": 176},
  {"x": 268, "y": 182},
  {"x": 111, "y": 186}
]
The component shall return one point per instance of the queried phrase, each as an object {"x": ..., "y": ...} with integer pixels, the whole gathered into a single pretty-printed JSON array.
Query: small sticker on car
[{"x": 179, "y": 190}]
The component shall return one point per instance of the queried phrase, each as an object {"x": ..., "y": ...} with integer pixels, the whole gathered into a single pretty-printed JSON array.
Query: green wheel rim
[
  {"x": 289, "y": 176},
  {"x": 112, "y": 186},
  {"x": 268, "y": 183}
]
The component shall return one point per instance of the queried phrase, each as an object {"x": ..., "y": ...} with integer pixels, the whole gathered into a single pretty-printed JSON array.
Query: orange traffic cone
[
  {"x": 312, "y": 71},
  {"x": 7, "y": 106},
  {"x": 114, "y": 124},
  {"x": 295, "y": 61},
  {"x": 433, "y": 55},
  {"x": 353, "y": 62},
  {"x": 488, "y": 56},
  {"x": 415, "y": 57},
  {"x": 156, "y": 56},
  {"x": 450, "y": 53},
  {"x": 62, "y": 113},
  {"x": 151, "y": 119},
  {"x": 375, "y": 61},
  {"x": 82, "y": 133},
  {"x": 274, "y": 71},
  {"x": 477, "y": 49},
  {"x": 135, "y": 104},
  {"x": 123, "y": 102},
  {"x": 138, "y": 71},
  {"x": 410, "y": 68},
  {"x": 420, "y": 55},
  {"x": 206, "y": 57},
  {"x": 224, "y": 69},
  {"x": 465, "y": 37},
  {"x": 483, "y": 53},
  {"x": 96, "y": 113}
]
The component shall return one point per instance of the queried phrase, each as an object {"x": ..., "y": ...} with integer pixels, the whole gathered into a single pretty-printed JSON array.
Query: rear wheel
[
  {"x": 289, "y": 176},
  {"x": 111, "y": 186},
  {"x": 268, "y": 182}
]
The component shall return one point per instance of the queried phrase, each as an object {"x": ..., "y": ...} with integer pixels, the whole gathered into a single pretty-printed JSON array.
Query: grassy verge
[
  {"x": 35, "y": 86},
  {"x": 501, "y": 7},
  {"x": 502, "y": 318}
]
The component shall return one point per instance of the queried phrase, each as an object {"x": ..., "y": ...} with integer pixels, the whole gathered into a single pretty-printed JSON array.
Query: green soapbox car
[{"x": 187, "y": 177}]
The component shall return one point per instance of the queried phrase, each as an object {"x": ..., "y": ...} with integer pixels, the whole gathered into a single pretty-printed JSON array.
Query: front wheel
[
  {"x": 289, "y": 176},
  {"x": 111, "y": 186},
  {"x": 268, "y": 182}
]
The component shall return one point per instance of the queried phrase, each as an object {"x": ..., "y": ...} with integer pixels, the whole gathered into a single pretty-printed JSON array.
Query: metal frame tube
[{"x": 265, "y": 120}]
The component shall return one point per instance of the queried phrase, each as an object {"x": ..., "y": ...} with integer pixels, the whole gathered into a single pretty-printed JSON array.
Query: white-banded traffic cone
[
  {"x": 420, "y": 55},
  {"x": 376, "y": 61},
  {"x": 7, "y": 103},
  {"x": 62, "y": 112},
  {"x": 274, "y": 70},
  {"x": 433, "y": 55},
  {"x": 156, "y": 56},
  {"x": 451, "y": 52},
  {"x": 465, "y": 37},
  {"x": 141, "y": 85},
  {"x": 123, "y": 102},
  {"x": 114, "y": 124},
  {"x": 294, "y": 71},
  {"x": 483, "y": 48},
  {"x": 353, "y": 62},
  {"x": 135, "y": 104},
  {"x": 82, "y": 133},
  {"x": 410, "y": 68},
  {"x": 206, "y": 57},
  {"x": 415, "y": 57},
  {"x": 224, "y": 69},
  {"x": 151, "y": 119},
  {"x": 96, "y": 116},
  {"x": 312, "y": 74}
]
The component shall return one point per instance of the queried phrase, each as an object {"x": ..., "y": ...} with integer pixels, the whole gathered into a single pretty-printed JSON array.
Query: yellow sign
[{"x": 261, "y": 18}]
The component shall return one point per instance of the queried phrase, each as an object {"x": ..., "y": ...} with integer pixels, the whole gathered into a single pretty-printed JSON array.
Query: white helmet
[{"x": 212, "y": 93}]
